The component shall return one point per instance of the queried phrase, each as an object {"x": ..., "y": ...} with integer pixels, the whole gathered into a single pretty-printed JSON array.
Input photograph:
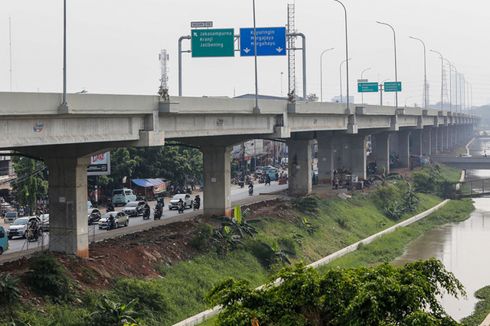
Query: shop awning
[{"x": 147, "y": 183}]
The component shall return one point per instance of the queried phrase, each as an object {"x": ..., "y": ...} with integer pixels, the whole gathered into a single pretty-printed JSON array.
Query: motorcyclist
[
  {"x": 251, "y": 188},
  {"x": 181, "y": 206},
  {"x": 111, "y": 222},
  {"x": 158, "y": 210},
  {"x": 110, "y": 207},
  {"x": 197, "y": 202},
  {"x": 146, "y": 212}
]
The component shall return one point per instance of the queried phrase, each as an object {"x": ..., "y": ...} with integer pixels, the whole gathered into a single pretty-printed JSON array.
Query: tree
[
  {"x": 383, "y": 295},
  {"x": 31, "y": 183},
  {"x": 178, "y": 164}
]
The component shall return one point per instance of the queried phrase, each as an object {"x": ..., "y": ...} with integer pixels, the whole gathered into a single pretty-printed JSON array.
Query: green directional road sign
[
  {"x": 213, "y": 42},
  {"x": 372, "y": 87},
  {"x": 392, "y": 87}
]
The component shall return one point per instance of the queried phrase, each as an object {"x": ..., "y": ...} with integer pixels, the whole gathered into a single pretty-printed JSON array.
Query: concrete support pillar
[
  {"x": 217, "y": 180},
  {"x": 451, "y": 137},
  {"x": 404, "y": 148},
  {"x": 426, "y": 141},
  {"x": 434, "y": 141},
  {"x": 326, "y": 162},
  {"x": 357, "y": 155},
  {"x": 441, "y": 138},
  {"x": 446, "y": 139},
  {"x": 382, "y": 152},
  {"x": 68, "y": 205},
  {"x": 300, "y": 170},
  {"x": 416, "y": 143}
]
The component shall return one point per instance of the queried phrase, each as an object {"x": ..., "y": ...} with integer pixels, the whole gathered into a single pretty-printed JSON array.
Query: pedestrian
[{"x": 267, "y": 180}]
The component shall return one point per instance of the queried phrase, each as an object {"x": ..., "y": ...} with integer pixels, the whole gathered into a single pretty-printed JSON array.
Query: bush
[
  {"x": 148, "y": 294},
  {"x": 9, "y": 291},
  {"x": 382, "y": 295},
  {"x": 112, "y": 313},
  {"x": 288, "y": 245},
  {"x": 307, "y": 205},
  {"x": 203, "y": 237},
  {"x": 48, "y": 278},
  {"x": 269, "y": 255}
]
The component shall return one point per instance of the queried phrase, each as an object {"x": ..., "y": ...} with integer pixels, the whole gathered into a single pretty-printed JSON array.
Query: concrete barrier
[{"x": 205, "y": 315}]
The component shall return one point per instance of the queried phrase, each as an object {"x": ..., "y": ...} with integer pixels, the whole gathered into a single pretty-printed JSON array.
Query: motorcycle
[
  {"x": 158, "y": 212},
  {"x": 250, "y": 190},
  {"x": 146, "y": 213}
]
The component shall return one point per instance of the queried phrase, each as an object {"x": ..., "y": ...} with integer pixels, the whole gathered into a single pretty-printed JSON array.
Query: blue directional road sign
[{"x": 271, "y": 41}]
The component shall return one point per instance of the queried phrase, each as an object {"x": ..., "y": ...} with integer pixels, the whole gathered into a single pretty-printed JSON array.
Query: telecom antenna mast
[
  {"x": 291, "y": 53},
  {"x": 164, "y": 66}
]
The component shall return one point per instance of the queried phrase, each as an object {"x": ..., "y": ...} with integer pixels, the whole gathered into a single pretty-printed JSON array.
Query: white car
[
  {"x": 174, "y": 202},
  {"x": 121, "y": 220},
  {"x": 19, "y": 227}
]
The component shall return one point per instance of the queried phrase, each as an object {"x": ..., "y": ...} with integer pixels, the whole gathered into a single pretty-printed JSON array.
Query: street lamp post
[
  {"x": 341, "y": 98},
  {"x": 256, "y": 108},
  {"x": 425, "y": 72},
  {"x": 396, "y": 66},
  {"x": 346, "y": 52},
  {"x": 442, "y": 77},
  {"x": 64, "y": 104},
  {"x": 362, "y": 76},
  {"x": 321, "y": 72}
]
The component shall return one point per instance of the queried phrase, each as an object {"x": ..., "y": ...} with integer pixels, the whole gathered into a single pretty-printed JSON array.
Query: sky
[{"x": 113, "y": 46}]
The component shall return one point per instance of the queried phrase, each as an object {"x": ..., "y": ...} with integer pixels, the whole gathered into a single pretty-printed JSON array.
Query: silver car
[
  {"x": 174, "y": 202},
  {"x": 121, "y": 219}
]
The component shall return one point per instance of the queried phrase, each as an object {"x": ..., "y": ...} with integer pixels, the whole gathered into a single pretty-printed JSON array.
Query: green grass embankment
[{"x": 392, "y": 245}]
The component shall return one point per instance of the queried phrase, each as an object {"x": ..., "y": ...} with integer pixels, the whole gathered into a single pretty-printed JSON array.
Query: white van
[{"x": 122, "y": 196}]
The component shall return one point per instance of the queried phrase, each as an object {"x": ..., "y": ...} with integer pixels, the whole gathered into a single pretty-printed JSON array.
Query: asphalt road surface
[{"x": 237, "y": 194}]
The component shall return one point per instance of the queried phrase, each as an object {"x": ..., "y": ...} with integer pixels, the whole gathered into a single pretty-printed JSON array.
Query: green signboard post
[
  {"x": 213, "y": 43},
  {"x": 372, "y": 87},
  {"x": 392, "y": 87}
]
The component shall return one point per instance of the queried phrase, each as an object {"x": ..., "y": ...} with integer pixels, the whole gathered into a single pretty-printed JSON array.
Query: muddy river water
[{"x": 464, "y": 247}]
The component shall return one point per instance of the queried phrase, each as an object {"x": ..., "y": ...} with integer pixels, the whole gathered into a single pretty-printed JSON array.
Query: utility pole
[
  {"x": 396, "y": 64},
  {"x": 10, "y": 50}
]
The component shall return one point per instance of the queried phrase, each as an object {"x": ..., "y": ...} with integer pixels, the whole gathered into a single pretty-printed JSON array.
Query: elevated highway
[{"x": 33, "y": 124}]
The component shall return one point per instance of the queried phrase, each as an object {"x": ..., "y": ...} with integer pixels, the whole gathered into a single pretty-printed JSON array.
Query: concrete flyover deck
[{"x": 33, "y": 124}]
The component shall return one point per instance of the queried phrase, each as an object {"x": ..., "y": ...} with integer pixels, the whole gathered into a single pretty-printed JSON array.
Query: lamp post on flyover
[
  {"x": 321, "y": 72},
  {"x": 346, "y": 53},
  {"x": 426, "y": 104},
  {"x": 341, "y": 97},
  {"x": 362, "y": 76},
  {"x": 442, "y": 77},
  {"x": 396, "y": 65},
  {"x": 256, "y": 108},
  {"x": 64, "y": 104}
]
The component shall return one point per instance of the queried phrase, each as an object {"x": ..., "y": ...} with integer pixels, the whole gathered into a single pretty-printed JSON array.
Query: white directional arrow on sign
[
  {"x": 279, "y": 50},
  {"x": 246, "y": 50}
]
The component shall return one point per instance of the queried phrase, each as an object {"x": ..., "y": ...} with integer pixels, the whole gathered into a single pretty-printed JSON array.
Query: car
[
  {"x": 121, "y": 220},
  {"x": 19, "y": 227},
  {"x": 4, "y": 242},
  {"x": 44, "y": 222},
  {"x": 94, "y": 216},
  {"x": 122, "y": 196},
  {"x": 10, "y": 217},
  {"x": 174, "y": 202},
  {"x": 134, "y": 208}
]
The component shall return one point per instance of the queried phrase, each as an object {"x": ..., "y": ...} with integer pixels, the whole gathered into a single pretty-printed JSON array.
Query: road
[{"x": 237, "y": 195}]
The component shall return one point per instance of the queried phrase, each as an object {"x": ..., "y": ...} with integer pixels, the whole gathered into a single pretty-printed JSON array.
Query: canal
[{"x": 462, "y": 247}]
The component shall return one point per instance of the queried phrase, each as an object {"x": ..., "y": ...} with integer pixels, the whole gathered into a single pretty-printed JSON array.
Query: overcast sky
[{"x": 114, "y": 44}]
